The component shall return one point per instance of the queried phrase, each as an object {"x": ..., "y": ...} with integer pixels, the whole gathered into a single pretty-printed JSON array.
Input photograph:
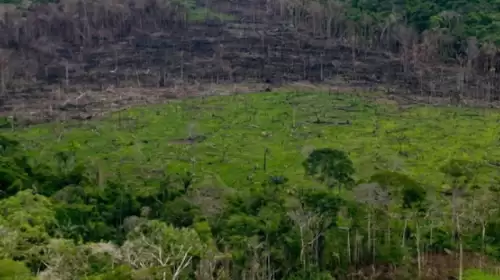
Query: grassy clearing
[{"x": 229, "y": 137}]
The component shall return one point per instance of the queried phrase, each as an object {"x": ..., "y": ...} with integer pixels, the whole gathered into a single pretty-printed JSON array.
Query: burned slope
[
  {"x": 144, "y": 49},
  {"x": 53, "y": 51}
]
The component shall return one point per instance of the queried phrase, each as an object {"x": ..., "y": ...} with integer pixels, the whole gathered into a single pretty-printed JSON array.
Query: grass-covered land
[
  {"x": 230, "y": 136},
  {"x": 260, "y": 186}
]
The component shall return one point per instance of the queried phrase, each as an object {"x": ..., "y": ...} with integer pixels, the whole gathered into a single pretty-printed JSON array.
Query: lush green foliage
[
  {"x": 241, "y": 140},
  {"x": 255, "y": 186},
  {"x": 459, "y": 18},
  {"x": 475, "y": 274}
]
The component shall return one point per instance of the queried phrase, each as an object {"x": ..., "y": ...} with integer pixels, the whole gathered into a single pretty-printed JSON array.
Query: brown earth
[{"x": 435, "y": 266}]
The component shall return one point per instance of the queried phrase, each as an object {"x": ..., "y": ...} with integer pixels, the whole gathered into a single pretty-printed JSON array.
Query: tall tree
[{"x": 333, "y": 168}]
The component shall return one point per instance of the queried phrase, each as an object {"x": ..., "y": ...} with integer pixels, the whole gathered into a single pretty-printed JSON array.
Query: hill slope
[
  {"x": 229, "y": 135},
  {"x": 225, "y": 174},
  {"x": 53, "y": 51}
]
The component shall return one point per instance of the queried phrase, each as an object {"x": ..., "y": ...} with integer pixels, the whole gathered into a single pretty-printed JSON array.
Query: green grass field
[{"x": 233, "y": 132}]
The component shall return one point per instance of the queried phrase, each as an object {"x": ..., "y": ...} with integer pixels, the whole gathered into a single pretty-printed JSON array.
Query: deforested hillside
[
  {"x": 332, "y": 169},
  {"x": 155, "y": 43},
  {"x": 50, "y": 51}
]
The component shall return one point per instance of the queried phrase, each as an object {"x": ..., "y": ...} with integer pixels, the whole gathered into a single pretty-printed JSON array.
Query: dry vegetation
[{"x": 52, "y": 53}]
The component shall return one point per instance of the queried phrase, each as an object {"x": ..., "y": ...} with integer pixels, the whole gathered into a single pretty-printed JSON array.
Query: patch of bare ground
[
  {"x": 89, "y": 104},
  {"x": 435, "y": 266},
  {"x": 58, "y": 105},
  {"x": 190, "y": 140}
]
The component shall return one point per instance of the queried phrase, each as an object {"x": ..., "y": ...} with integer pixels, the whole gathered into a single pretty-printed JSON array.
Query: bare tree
[
  {"x": 480, "y": 209},
  {"x": 334, "y": 13},
  {"x": 374, "y": 197},
  {"x": 163, "y": 247},
  {"x": 4, "y": 70},
  {"x": 472, "y": 54},
  {"x": 308, "y": 223},
  {"x": 66, "y": 261},
  {"x": 462, "y": 175}
]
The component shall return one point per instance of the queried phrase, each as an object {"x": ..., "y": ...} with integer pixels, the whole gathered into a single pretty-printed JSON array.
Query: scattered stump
[{"x": 189, "y": 140}]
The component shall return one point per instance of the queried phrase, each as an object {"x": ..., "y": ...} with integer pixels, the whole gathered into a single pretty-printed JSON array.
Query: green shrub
[
  {"x": 476, "y": 274},
  {"x": 12, "y": 270}
]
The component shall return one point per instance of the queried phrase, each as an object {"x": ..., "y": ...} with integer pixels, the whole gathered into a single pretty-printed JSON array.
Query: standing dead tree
[{"x": 4, "y": 70}]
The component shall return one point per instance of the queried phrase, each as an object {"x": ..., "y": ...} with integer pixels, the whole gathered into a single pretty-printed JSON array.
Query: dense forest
[
  {"x": 71, "y": 222},
  {"x": 459, "y": 19}
]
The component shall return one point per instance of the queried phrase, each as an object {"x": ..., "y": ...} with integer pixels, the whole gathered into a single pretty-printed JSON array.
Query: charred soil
[{"x": 80, "y": 59}]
